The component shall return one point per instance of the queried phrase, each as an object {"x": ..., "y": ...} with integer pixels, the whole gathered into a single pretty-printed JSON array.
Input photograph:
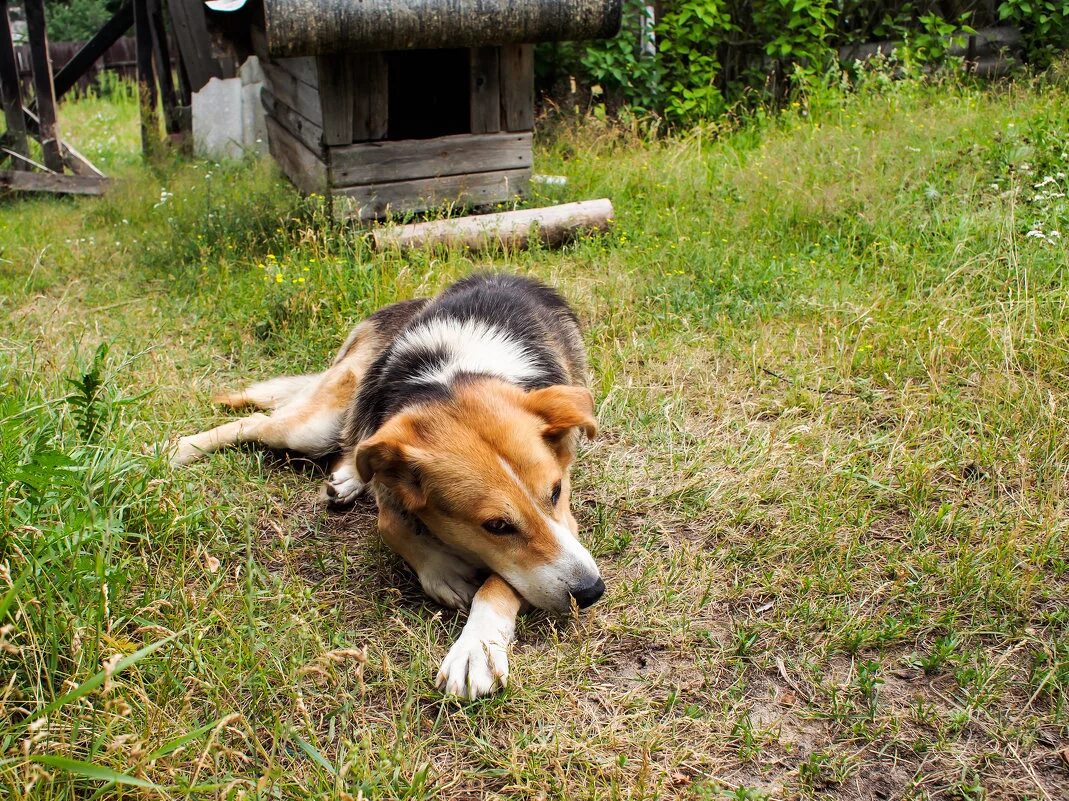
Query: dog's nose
[{"x": 589, "y": 595}]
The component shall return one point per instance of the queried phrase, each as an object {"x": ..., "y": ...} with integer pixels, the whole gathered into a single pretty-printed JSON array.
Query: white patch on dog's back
[{"x": 470, "y": 346}]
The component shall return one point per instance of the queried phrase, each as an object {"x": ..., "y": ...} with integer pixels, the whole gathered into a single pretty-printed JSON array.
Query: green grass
[{"x": 830, "y": 496}]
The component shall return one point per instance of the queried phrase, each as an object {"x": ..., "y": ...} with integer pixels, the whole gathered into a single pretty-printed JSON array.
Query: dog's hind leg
[
  {"x": 309, "y": 424},
  {"x": 270, "y": 394}
]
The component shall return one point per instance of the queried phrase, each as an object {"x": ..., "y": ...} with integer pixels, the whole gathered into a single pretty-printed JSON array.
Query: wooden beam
[
  {"x": 371, "y": 96},
  {"x": 517, "y": 87},
  {"x": 11, "y": 92},
  {"x": 382, "y": 162},
  {"x": 379, "y": 200},
  {"x": 48, "y": 131},
  {"x": 485, "y": 90},
  {"x": 80, "y": 62},
  {"x": 146, "y": 78},
  {"x": 509, "y": 230},
  {"x": 52, "y": 182}
]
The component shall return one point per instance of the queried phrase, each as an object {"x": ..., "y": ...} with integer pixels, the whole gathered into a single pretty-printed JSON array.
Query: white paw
[
  {"x": 185, "y": 452},
  {"x": 449, "y": 581},
  {"x": 344, "y": 486},
  {"x": 473, "y": 667}
]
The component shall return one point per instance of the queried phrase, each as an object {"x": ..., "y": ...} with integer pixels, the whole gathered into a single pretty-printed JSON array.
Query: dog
[{"x": 461, "y": 414}]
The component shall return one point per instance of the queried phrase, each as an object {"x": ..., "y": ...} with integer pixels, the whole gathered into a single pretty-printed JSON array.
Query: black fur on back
[{"x": 526, "y": 310}]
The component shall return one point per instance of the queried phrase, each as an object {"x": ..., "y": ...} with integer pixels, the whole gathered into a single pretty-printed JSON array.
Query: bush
[
  {"x": 711, "y": 54},
  {"x": 77, "y": 20}
]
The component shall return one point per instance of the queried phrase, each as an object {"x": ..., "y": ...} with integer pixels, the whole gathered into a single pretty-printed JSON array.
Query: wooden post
[
  {"x": 335, "y": 78},
  {"x": 485, "y": 89},
  {"x": 370, "y": 96},
  {"x": 42, "y": 82},
  {"x": 163, "y": 68},
  {"x": 146, "y": 79},
  {"x": 517, "y": 87},
  {"x": 15, "y": 137}
]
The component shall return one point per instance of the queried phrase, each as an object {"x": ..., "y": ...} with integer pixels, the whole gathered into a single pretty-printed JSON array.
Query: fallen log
[{"x": 509, "y": 230}]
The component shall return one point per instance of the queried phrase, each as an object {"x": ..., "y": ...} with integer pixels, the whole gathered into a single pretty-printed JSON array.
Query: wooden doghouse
[{"x": 395, "y": 106}]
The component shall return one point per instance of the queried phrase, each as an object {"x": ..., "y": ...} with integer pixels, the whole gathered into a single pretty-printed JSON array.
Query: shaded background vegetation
[{"x": 694, "y": 59}]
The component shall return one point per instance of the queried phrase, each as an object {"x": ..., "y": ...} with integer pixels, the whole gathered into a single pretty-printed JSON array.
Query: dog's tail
[{"x": 269, "y": 394}]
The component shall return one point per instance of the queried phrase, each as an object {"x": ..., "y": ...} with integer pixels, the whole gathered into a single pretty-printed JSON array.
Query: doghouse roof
[{"x": 314, "y": 27}]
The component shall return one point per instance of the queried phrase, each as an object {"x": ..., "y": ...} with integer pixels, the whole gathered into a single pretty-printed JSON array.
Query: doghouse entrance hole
[{"x": 428, "y": 94}]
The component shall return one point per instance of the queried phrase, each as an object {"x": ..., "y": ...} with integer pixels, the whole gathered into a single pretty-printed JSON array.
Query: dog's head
[{"x": 487, "y": 471}]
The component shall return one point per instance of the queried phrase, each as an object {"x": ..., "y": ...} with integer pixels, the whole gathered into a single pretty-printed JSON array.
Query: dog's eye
[
  {"x": 555, "y": 495},
  {"x": 499, "y": 525}
]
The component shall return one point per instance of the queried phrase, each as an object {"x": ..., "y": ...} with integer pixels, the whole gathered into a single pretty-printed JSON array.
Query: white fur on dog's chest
[{"x": 469, "y": 346}]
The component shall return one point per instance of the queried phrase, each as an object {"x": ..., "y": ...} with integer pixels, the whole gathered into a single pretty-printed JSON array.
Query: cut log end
[{"x": 553, "y": 226}]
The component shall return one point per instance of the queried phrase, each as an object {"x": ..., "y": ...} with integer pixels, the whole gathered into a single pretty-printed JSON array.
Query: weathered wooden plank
[
  {"x": 194, "y": 44},
  {"x": 300, "y": 28},
  {"x": 478, "y": 189},
  {"x": 52, "y": 182},
  {"x": 485, "y": 90},
  {"x": 517, "y": 87},
  {"x": 377, "y": 162},
  {"x": 510, "y": 230},
  {"x": 298, "y": 95},
  {"x": 11, "y": 92},
  {"x": 48, "y": 132},
  {"x": 310, "y": 134},
  {"x": 303, "y": 69},
  {"x": 80, "y": 62},
  {"x": 300, "y": 164},
  {"x": 336, "y": 98},
  {"x": 371, "y": 96}
]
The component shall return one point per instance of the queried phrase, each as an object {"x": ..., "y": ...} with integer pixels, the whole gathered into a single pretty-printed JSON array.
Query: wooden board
[
  {"x": 517, "y": 87},
  {"x": 303, "y": 69},
  {"x": 336, "y": 98},
  {"x": 310, "y": 134},
  {"x": 296, "y": 94},
  {"x": 485, "y": 90},
  {"x": 379, "y": 200},
  {"x": 194, "y": 45},
  {"x": 300, "y": 164},
  {"x": 371, "y": 96},
  {"x": 52, "y": 182},
  {"x": 380, "y": 162}
]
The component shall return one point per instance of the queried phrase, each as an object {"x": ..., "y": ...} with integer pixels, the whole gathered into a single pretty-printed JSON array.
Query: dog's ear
[
  {"x": 564, "y": 408},
  {"x": 387, "y": 458}
]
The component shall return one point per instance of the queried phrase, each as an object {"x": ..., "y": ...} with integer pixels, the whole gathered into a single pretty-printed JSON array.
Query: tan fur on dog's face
[{"x": 480, "y": 470}]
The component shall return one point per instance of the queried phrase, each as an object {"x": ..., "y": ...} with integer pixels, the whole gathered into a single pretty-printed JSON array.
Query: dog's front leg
[
  {"x": 444, "y": 576},
  {"x": 477, "y": 664}
]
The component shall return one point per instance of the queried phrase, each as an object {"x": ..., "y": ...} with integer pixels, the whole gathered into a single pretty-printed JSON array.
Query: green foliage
[
  {"x": 85, "y": 401},
  {"x": 77, "y": 20},
  {"x": 713, "y": 54},
  {"x": 1044, "y": 23}
]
